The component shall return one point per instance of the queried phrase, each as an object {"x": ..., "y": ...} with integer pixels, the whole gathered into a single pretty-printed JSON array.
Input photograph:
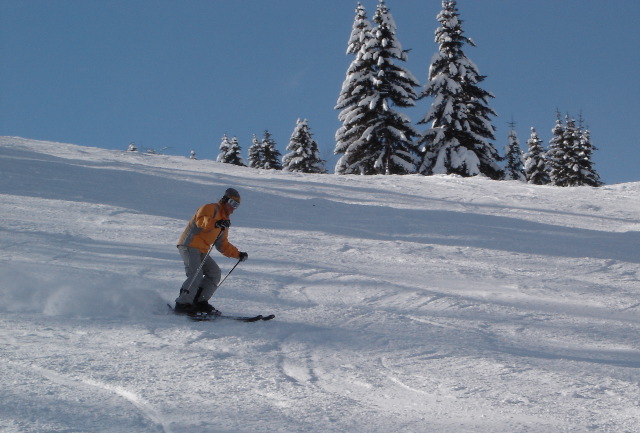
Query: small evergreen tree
[
  {"x": 557, "y": 154},
  {"x": 587, "y": 174},
  {"x": 224, "y": 147},
  {"x": 230, "y": 152},
  {"x": 236, "y": 153},
  {"x": 572, "y": 140},
  {"x": 514, "y": 169},
  {"x": 270, "y": 155},
  {"x": 458, "y": 140},
  {"x": 563, "y": 156},
  {"x": 303, "y": 156},
  {"x": 569, "y": 155},
  {"x": 535, "y": 161},
  {"x": 256, "y": 153}
]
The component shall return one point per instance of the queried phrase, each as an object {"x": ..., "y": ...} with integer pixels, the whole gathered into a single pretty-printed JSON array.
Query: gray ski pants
[{"x": 205, "y": 284}]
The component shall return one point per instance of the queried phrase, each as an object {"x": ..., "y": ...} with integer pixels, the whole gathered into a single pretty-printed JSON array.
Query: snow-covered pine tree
[
  {"x": 572, "y": 136},
  {"x": 535, "y": 161},
  {"x": 569, "y": 155},
  {"x": 556, "y": 154},
  {"x": 458, "y": 140},
  {"x": 271, "y": 155},
  {"x": 256, "y": 153},
  {"x": 303, "y": 153},
  {"x": 383, "y": 138},
  {"x": 356, "y": 88},
  {"x": 230, "y": 152},
  {"x": 514, "y": 169},
  {"x": 562, "y": 156},
  {"x": 236, "y": 153},
  {"x": 587, "y": 174},
  {"x": 225, "y": 144}
]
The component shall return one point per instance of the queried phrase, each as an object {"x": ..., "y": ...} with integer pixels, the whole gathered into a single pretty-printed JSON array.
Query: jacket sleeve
[{"x": 227, "y": 248}]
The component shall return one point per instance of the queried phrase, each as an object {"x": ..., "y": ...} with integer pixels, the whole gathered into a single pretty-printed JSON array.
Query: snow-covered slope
[{"x": 404, "y": 304}]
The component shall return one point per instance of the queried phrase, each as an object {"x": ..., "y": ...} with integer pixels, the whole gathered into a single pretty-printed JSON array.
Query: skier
[{"x": 208, "y": 226}]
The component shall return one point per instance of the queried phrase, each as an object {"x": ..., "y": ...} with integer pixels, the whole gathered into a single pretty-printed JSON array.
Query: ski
[{"x": 212, "y": 317}]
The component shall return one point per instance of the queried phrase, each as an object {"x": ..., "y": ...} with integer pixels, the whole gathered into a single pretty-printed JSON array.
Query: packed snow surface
[{"x": 402, "y": 303}]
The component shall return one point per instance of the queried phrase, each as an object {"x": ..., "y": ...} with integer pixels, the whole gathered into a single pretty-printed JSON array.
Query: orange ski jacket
[{"x": 201, "y": 231}]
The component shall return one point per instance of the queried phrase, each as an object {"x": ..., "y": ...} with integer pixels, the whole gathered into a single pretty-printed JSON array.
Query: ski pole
[{"x": 234, "y": 266}]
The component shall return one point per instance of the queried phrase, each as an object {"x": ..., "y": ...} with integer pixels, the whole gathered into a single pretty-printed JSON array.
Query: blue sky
[{"x": 180, "y": 74}]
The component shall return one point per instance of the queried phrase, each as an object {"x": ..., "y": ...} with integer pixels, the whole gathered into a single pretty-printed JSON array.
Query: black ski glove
[
  {"x": 243, "y": 256},
  {"x": 223, "y": 224}
]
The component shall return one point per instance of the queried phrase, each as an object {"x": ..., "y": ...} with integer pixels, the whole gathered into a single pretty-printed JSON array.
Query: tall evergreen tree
[
  {"x": 271, "y": 155},
  {"x": 230, "y": 152},
  {"x": 458, "y": 140},
  {"x": 514, "y": 169},
  {"x": 303, "y": 153},
  {"x": 535, "y": 161},
  {"x": 357, "y": 86},
  {"x": 376, "y": 139}
]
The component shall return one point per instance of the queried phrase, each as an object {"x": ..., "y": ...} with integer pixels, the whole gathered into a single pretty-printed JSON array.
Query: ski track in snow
[
  {"x": 144, "y": 407},
  {"x": 403, "y": 303},
  {"x": 136, "y": 400}
]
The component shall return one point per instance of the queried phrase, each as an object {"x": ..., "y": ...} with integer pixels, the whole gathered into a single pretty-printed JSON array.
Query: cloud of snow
[{"x": 81, "y": 294}]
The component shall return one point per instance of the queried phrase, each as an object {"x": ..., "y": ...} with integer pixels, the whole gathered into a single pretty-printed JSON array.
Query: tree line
[
  {"x": 303, "y": 153},
  {"x": 377, "y": 138},
  {"x": 567, "y": 161}
]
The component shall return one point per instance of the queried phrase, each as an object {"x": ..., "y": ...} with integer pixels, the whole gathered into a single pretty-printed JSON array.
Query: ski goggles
[{"x": 234, "y": 204}]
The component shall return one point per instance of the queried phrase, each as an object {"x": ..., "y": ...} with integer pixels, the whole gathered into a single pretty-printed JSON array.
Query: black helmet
[{"x": 231, "y": 194}]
